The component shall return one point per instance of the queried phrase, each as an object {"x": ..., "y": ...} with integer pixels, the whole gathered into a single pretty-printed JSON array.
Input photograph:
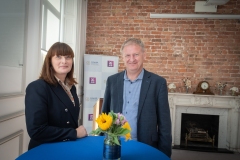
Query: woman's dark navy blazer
[{"x": 50, "y": 114}]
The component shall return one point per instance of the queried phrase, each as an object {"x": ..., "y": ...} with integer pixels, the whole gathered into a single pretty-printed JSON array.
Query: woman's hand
[{"x": 81, "y": 132}]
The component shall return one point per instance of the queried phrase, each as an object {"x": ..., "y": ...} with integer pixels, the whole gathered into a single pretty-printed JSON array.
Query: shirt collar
[
  {"x": 66, "y": 80},
  {"x": 140, "y": 76}
]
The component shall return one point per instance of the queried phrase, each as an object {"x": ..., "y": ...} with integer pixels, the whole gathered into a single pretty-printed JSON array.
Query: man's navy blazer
[
  {"x": 50, "y": 114},
  {"x": 153, "y": 118}
]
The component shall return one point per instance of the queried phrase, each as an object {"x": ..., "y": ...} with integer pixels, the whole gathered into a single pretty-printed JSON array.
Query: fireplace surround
[{"x": 226, "y": 107}]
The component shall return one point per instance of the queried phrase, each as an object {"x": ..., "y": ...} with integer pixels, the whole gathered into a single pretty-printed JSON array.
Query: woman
[{"x": 51, "y": 102}]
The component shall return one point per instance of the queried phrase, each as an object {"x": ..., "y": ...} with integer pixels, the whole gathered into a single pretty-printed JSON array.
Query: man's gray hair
[{"x": 131, "y": 41}]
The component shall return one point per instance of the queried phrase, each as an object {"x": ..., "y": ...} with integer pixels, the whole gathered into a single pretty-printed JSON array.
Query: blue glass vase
[{"x": 111, "y": 151}]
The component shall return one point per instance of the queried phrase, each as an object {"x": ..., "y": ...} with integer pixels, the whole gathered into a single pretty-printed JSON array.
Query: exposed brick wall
[{"x": 176, "y": 48}]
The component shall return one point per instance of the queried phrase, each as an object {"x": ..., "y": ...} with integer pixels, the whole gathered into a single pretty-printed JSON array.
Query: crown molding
[{"x": 195, "y": 16}]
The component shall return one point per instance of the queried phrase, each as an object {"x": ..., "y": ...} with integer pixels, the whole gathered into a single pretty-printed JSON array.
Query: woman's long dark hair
[{"x": 47, "y": 72}]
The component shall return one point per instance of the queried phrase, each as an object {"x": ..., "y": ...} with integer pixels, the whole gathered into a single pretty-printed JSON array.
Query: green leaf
[
  {"x": 115, "y": 140},
  {"x": 122, "y": 131},
  {"x": 96, "y": 132},
  {"x": 113, "y": 115}
]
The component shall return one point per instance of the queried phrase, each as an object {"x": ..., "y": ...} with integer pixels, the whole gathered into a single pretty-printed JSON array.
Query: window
[{"x": 51, "y": 23}]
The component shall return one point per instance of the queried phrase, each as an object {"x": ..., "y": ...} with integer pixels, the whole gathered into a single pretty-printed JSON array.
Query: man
[{"x": 142, "y": 97}]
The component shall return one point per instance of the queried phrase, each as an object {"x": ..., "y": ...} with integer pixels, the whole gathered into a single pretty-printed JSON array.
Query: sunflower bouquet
[{"x": 114, "y": 125}]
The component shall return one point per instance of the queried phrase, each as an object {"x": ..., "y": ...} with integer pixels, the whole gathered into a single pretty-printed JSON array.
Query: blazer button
[
  {"x": 66, "y": 110},
  {"x": 68, "y": 122}
]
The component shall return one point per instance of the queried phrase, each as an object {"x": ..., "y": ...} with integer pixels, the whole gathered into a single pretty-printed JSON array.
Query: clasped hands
[{"x": 81, "y": 132}]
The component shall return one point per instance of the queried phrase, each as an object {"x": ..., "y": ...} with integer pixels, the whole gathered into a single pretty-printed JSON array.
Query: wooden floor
[{"x": 178, "y": 154}]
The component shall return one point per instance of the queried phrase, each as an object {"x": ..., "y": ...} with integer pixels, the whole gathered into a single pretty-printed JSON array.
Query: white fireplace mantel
[{"x": 227, "y": 107}]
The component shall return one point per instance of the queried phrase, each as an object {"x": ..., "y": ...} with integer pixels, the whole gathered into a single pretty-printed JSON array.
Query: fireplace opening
[{"x": 198, "y": 130}]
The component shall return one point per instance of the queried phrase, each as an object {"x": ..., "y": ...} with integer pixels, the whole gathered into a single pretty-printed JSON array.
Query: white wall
[
  {"x": 12, "y": 27},
  {"x": 13, "y": 135},
  {"x": 6, "y": 78}
]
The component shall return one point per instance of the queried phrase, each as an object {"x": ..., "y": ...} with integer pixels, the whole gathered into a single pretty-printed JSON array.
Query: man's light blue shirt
[{"x": 131, "y": 94}]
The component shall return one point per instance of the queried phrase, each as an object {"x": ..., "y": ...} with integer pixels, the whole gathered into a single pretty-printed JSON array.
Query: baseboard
[{"x": 202, "y": 149}]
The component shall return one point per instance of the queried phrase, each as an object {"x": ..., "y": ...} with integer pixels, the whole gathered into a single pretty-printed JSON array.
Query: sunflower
[
  {"x": 127, "y": 126},
  {"x": 104, "y": 121},
  {"x": 114, "y": 125}
]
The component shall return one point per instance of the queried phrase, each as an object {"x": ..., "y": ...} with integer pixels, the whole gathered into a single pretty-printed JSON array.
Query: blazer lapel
[
  {"x": 120, "y": 86},
  {"x": 63, "y": 97},
  {"x": 144, "y": 90}
]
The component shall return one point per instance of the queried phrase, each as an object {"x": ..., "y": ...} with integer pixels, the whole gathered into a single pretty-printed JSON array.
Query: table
[{"x": 91, "y": 148}]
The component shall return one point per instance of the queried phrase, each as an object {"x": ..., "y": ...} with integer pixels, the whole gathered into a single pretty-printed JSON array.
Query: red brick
[{"x": 200, "y": 49}]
